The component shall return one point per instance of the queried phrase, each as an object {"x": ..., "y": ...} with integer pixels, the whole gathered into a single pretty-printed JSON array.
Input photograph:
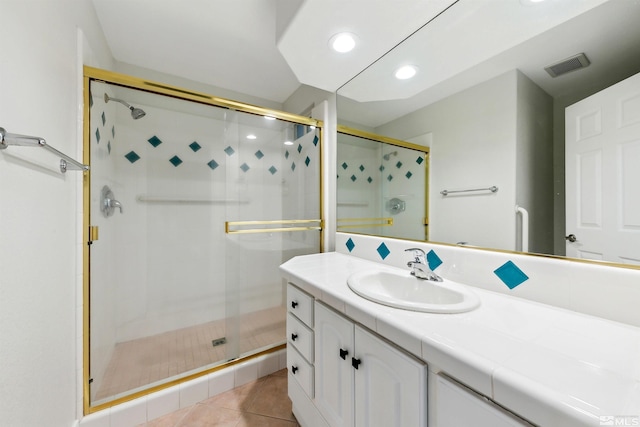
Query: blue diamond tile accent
[
  {"x": 433, "y": 260},
  {"x": 286, "y": 154},
  {"x": 155, "y": 141},
  {"x": 307, "y": 161},
  {"x": 132, "y": 156},
  {"x": 510, "y": 274},
  {"x": 399, "y": 165},
  {"x": 213, "y": 164},
  {"x": 259, "y": 154},
  {"x": 345, "y": 165},
  {"x": 316, "y": 140},
  {"x": 245, "y": 167},
  {"x": 273, "y": 170},
  {"x": 293, "y": 166},
  {"x": 195, "y": 146},
  {"x": 353, "y": 178},
  {"x": 229, "y": 151},
  {"x": 299, "y": 148},
  {"x": 419, "y": 160},
  {"x": 113, "y": 131},
  {"x": 409, "y": 175},
  {"x": 104, "y": 119},
  {"x": 350, "y": 245},
  {"x": 390, "y": 178},
  {"x": 361, "y": 168},
  {"x": 175, "y": 161},
  {"x": 98, "y": 135},
  {"x": 383, "y": 250},
  {"x": 381, "y": 168},
  {"x": 109, "y": 147},
  {"x": 369, "y": 180}
]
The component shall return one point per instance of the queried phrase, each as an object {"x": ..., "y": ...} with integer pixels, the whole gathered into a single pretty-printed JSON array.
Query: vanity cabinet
[
  {"x": 453, "y": 405},
  {"x": 362, "y": 380}
]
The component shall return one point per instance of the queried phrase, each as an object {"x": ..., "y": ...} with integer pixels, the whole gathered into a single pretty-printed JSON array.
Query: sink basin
[{"x": 402, "y": 290}]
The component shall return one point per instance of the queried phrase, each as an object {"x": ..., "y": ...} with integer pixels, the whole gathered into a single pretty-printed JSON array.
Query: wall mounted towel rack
[
  {"x": 493, "y": 189},
  {"x": 66, "y": 162}
]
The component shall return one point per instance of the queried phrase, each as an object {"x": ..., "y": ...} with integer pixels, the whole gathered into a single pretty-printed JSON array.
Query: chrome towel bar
[
  {"x": 66, "y": 162},
  {"x": 493, "y": 189}
]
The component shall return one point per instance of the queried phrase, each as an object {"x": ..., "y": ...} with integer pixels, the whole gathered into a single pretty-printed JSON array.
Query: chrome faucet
[{"x": 420, "y": 267}]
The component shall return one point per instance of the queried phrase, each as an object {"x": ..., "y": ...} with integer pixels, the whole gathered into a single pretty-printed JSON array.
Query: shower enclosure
[{"x": 191, "y": 204}]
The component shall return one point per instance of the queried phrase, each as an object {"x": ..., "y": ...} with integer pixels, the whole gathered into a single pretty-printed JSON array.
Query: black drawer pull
[
  {"x": 294, "y": 304},
  {"x": 355, "y": 362},
  {"x": 293, "y": 337},
  {"x": 294, "y": 369},
  {"x": 343, "y": 354}
]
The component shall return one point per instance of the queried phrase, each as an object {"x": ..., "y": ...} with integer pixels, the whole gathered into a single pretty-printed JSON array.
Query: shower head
[
  {"x": 136, "y": 113},
  {"x": 388, "y": 155}
]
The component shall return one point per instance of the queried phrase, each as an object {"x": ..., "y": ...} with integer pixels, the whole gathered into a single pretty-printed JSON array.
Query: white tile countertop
[{"x": 552, "y": 366}]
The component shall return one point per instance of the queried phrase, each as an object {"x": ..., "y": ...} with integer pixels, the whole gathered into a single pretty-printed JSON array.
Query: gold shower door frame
[{"x": 90, "y": 233}]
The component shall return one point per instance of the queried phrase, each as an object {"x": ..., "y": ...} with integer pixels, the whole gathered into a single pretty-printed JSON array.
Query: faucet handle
[{"x": 418, "y": 254}]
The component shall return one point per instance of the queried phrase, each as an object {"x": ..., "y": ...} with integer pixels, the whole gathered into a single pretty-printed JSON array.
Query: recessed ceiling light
[
  {"x": 251, "y": 136},
  {"x": 406, "y": 72},
  {"x": 343, "y": 42}
]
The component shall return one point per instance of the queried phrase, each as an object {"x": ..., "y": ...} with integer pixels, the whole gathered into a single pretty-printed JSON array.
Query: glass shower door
[
  {"x": 175, "y": 287},
  {"x": 273, "y": 177}
]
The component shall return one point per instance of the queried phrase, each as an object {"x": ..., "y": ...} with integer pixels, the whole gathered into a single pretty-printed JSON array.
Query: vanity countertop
[{"x": 552, "y": 366}]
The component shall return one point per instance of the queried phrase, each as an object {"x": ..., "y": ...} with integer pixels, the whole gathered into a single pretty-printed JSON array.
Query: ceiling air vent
[{"x": 573, "y": 63}]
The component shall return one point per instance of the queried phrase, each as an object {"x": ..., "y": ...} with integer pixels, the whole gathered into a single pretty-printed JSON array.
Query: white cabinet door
[
  {"x": 334, "y": 374},
  {"x": 390, "y": 386},
  {"x": 602, "y": 174},
  {"x": 456, "y": 406}
]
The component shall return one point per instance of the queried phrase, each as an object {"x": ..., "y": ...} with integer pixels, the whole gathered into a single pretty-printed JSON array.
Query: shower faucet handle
[{"x": 115, "y": 204}]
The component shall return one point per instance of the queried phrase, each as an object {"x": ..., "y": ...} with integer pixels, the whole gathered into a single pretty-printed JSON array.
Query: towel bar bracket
[{"x": 66, "y": 162}]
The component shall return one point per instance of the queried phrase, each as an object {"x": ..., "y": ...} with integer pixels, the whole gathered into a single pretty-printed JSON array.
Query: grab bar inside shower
[
  {"x": 66, "y": 162},
  {"x": 493, "y": 189}
]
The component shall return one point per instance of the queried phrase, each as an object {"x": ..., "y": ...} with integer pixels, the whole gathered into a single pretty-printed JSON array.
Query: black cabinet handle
[
  {"x": 294, "y": 304},
  {"x": 293, "y": 337},
  {"x": 343, "y": 354},
  {"x": 294, "y": 369},
  {"x": 355, "y": 362}
]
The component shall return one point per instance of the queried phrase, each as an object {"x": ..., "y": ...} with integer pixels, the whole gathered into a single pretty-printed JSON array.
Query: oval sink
[{"x": 402, "y": 290}]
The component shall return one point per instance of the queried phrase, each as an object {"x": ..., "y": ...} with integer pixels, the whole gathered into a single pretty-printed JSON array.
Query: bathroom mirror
[{"x": 469, "y": 58}]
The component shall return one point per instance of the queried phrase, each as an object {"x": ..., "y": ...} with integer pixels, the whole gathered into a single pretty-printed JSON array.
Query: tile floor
[
  {"x": 144, "y": 361},
  {"x": 262, "y": 403}
]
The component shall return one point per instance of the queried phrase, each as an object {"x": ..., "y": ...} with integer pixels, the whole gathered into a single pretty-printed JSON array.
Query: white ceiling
[
  {"x": 265, "y": 48},
  {"x": 268, "y": 48}
]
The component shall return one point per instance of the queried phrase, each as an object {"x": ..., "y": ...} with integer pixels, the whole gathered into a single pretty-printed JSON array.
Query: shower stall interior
[{"x": 196, "y": 204}]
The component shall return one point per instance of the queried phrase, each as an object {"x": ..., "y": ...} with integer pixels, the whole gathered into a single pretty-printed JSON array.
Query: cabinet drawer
[
  {"x": 300, "y": 370},
  {"x": 300, "y": 337},
  {"x": 300, "y": 304}
]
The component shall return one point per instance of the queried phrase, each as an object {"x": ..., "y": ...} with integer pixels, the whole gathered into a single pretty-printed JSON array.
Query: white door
[
  {"x": 334, "y": 374},
  {"x": 390, "y": 386},
  {"x": 603, "y": 174}
]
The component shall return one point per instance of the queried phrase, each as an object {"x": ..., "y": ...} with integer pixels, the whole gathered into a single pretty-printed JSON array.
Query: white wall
[{"x": 39, "y": 210}]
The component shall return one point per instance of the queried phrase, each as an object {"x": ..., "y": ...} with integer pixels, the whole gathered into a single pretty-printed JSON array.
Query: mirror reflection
[
  {"x": 381, "y": 186},
  {"x": 491, "y": 107}
]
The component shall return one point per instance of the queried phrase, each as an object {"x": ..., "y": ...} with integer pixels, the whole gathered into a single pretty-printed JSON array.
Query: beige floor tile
[
  {"x": 209, "y": 416},
  {"x": 271, "y": 399},
  {"x": 253, "y": 420}
]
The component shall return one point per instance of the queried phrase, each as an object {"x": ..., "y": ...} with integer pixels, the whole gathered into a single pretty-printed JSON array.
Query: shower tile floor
[
  {"x": 261, "y": 403},
  {"x": 144, "y": 361}
]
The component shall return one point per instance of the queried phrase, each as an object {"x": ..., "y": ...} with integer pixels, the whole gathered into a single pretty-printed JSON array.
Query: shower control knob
[{"x": 571, "y": 238}]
